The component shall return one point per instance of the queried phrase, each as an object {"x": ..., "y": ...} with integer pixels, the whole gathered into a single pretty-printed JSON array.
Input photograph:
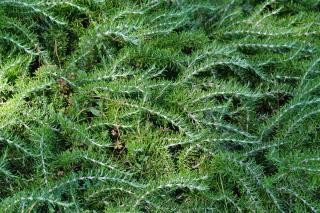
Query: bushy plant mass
[{"x": 159, "y": 106}]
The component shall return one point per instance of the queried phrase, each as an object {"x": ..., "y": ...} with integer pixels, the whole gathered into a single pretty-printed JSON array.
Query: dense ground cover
[{"x": 159, "y": 106}]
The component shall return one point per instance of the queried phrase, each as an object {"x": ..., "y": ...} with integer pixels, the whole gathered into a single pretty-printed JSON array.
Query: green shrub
[{"x": 159, "y": 106}]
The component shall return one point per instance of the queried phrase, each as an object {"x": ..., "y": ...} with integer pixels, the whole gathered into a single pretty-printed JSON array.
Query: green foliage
[{"x": 159, "y": 106}]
